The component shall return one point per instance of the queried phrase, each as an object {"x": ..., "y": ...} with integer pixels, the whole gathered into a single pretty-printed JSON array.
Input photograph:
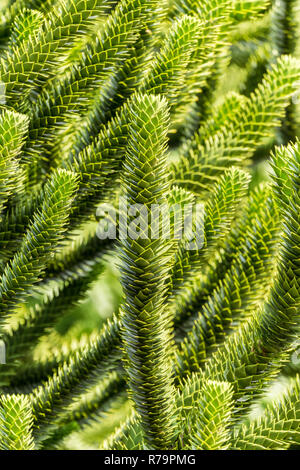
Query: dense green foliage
[{"x": 105, "y": 100}]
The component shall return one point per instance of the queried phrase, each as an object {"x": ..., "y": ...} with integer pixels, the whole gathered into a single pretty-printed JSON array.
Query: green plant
[{"x": 105, "y": 100}]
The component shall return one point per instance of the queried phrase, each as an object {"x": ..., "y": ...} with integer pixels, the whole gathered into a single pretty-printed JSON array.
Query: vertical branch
[{"x": 147, "y": 335}]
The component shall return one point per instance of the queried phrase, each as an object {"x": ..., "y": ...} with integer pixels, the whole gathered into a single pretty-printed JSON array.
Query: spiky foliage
[
  {"x": 235, "y": 142},
  {"x": 13, "y": 131},
  {"x": 146, "y": 321},
  {"x": 124, "y": 103},
  {"x": 211, "y": 418},
  {"x": 278, "y": 426},
  {"x": 15, "y": 423}
]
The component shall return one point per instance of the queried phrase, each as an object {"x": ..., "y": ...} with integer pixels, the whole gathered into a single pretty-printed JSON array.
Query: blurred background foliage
[{"x": 251, "y": 52}]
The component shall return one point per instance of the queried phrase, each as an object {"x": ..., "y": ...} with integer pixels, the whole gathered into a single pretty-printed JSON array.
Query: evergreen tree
[{"x": 111, "y": 101}]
